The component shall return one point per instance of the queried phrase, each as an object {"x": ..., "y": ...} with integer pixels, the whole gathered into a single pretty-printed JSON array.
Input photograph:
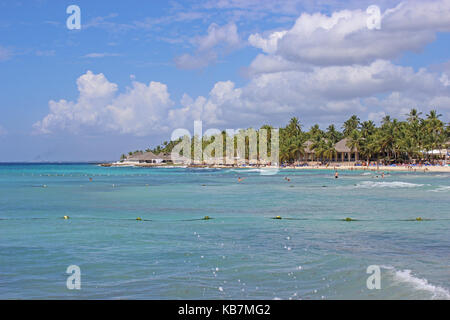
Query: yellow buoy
[
  {"x": 278, "y": 218},
  {"x": 139, "y": 219},
  {"x": 66, "y": 217},
  {"x": 206, "y": 218},
  {"x": 419, "y": 219},
  {"x": 348, "y": 219}
]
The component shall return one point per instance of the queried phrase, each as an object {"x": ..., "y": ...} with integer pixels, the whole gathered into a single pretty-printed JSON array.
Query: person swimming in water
[{"x": 336, "y": 175}]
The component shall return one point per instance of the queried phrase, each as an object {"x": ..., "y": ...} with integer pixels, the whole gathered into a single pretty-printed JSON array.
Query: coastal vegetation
[{"x": 393, "y": 141}]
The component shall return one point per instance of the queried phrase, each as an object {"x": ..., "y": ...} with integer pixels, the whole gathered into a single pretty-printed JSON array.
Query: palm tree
[
  {"x": 328, "y": 150},
  {"x": 393, "y": 140},
  {"x": 350, "y": 125},
  {"x": 294, "y": 127},
  {"x": 435, "y": 131},
  {"x": 332, "y": 134},
  {"x": 367, "y": 128},
  {"x": 386, "y": 119},
  {"x": 413, "y": 115},
  {"x": 315, "y": 132},
  {"x": 355, "y": 141}
]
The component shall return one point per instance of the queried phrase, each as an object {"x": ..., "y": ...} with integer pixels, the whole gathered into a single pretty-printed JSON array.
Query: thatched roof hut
[
  {"x": 342, "y": 147},
  {"x": 149, "y": 157},
  {"x": 307, "y": 146}
]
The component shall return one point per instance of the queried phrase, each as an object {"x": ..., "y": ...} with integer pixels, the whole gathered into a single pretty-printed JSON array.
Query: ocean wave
[
  {"x": 245, "y": 170},
  {"x": 263, "y": 172},
  {"x": 406, "y": 276},
  {"x": 441, "y": 189},
  {"x": 384, "y": 184}
]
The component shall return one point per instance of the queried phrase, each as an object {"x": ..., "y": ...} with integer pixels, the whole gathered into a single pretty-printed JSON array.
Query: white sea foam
[
  {"x": 366, "y": 174},
  {"x": 268, "y": 172},
  {"x": 441, "y": 189},
  {"x": 245, "y": 170},
  {"x": 437, "y": 292},
  {"x": 263, "y": 172},
  {"x": 385, "y": 184}
]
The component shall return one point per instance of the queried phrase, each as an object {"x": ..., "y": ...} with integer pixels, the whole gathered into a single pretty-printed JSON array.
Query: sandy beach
[
  {"x": 339, "y": 167},
  {"x": 380, "y": 168}
]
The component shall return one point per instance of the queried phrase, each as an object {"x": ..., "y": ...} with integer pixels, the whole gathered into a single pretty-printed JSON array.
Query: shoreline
[{"x": 423, "y": 169}]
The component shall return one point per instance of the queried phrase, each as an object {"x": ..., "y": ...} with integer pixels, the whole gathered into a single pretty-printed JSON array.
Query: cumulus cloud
[
  {"x": 343, "y": 38},
  {"x": 140, "y": 110},
  {"x": 225, "y": 38},
  {"x": 445, "y": 80},
  {"x": 324, "y": 68},
  {"x": 332, "y": 92},
  {"x": 319, "y": 95}
]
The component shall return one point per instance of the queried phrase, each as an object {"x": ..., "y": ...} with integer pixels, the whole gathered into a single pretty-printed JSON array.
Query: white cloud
[
  {"x": 445, "y": 80},
  {"x": 332, "y": 93},
  {"x": 225, "y": 38},
  {"x": 320, "y": 94},
  {"x": 268, "y": 44},
  {"x": 343, "y": 37},
  {"x": 140, "y": 110},
  {"x": 323, "y": 69}
]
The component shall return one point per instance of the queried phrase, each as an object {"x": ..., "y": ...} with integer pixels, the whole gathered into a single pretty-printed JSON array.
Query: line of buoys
[{"x": 348, "y": 219}]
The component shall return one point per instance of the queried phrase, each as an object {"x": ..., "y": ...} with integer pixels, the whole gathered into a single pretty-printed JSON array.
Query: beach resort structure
[
  {"x": 343, "y": 152},
  {"x": 147, "y": 158}
]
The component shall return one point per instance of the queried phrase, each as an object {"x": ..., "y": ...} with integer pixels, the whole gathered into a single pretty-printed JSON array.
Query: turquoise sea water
[{"x": 241, "y": 253}]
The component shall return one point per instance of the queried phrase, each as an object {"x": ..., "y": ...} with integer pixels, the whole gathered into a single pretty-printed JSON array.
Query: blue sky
[{"x": 139, "y": 69}]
